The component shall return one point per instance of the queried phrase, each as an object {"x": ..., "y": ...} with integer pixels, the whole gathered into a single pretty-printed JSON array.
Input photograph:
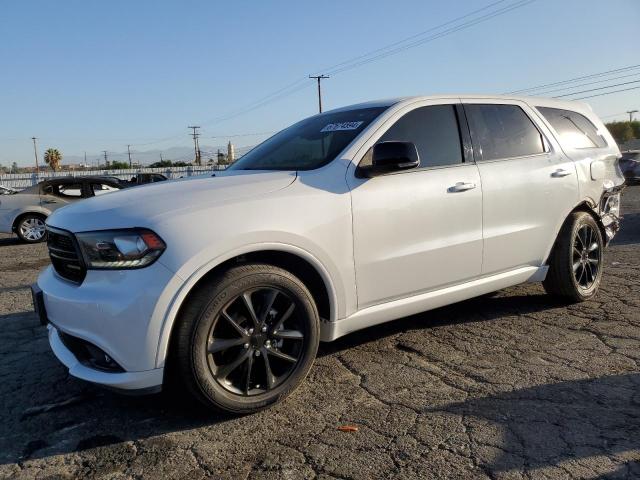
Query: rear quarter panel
[{"x": 597, "y": 168}]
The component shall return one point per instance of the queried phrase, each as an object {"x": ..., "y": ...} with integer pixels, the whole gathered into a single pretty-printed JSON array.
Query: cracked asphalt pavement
[{"x": 514, "y": 385}]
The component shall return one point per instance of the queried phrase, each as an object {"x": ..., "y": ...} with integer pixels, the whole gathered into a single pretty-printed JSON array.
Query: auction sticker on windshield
[{"x": 334, "y": 127}]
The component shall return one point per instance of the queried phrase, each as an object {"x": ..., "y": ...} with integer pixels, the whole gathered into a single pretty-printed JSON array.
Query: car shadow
[
  {"x": 7, "y": 241},
  {"x": 52, "y": 414},
  {"x": 552, "y": 424}
]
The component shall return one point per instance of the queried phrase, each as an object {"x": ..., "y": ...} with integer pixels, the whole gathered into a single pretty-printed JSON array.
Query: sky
[{"x": 91, "y": 76}]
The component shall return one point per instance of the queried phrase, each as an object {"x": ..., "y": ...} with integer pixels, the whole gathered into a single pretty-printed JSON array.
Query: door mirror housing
[{"x": 389, "y": 157}]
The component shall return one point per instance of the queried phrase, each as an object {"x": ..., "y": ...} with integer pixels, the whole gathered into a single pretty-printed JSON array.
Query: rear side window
[
  {"x": 435, "y": 133},
  {"x": 574, "y": 130},
  {"x": 102, "y": 188},
  {"x": 503, "y": 131}
]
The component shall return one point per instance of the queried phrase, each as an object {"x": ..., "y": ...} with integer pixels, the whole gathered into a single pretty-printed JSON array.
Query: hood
[{"x": 149, "y": 204}]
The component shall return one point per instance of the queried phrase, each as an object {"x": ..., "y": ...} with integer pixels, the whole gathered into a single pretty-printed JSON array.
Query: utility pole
[
  {"x": 161, "y": 156},
  {"x": 106, "y": 162},
  {"x": 129, "y": 152},
  {"x": 85, "y": 160},
  {"x": 35, "y": 152},
  {"x": 318, "y": 78},
  {"x": 631, "y": 112},
  {"x": 196, "y": 144}
]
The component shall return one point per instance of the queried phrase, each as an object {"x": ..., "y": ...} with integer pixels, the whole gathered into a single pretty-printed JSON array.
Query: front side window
[
  {"x": 434, "y": 131},
  {"x": 309, "y": 144},
  {"x": 503, "y": 131},
  {"x": 574, "y": 130}
]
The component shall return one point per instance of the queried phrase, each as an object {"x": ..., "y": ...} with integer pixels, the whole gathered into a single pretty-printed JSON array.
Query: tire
[
  {"x": 31, "y": 229},
  {"x": 576, "y": 262},
  {"x": 241, "y": 363}
]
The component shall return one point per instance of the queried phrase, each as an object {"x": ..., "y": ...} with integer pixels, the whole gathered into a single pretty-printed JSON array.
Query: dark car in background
[
  {"x": 138, "y": 179},
  {"x": 630, "y": 166}
]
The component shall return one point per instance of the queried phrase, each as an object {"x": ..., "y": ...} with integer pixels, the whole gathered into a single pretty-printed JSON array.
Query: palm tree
[{"x": 53, "y": 158}]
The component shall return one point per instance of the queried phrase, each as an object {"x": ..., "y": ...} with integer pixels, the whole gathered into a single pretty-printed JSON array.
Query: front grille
[{"x": 65, "y": 256}]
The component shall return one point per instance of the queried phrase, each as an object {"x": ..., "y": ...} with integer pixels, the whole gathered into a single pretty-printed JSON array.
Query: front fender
[{"x": 168, "y": 310}]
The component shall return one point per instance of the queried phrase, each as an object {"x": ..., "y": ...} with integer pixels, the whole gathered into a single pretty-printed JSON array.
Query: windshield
[{"x": 309, "y": 144}]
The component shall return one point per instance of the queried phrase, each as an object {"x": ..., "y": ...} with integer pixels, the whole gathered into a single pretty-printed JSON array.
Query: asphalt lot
[{"x": 515, "y": 385}]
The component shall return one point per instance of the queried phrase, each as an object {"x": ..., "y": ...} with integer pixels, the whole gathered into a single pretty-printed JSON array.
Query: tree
[
  {"x": 161, "y": 164},
  {"x": 635, "y": 126},
  {"x": 53, "y": 157},
  {"x": 14, "y": 167},
  {"x": 118, "y": 165},
  {"x": 620, "y": 131}
]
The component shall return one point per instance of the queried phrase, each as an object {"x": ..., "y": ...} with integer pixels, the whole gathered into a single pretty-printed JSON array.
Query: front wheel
[
  {"x": 247, "y": 338},
  {"x": 575, "y": 265},
  {"x": 31, "y": 228}
]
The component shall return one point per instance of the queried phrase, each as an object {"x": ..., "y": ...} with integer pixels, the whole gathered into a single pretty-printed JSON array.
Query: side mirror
[
  {"x": 48, "y": 190},
  {"x": 388, "y": 157}
]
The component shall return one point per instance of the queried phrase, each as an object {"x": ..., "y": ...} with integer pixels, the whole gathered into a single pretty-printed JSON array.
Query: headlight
[{"x": 120, "y": 249}]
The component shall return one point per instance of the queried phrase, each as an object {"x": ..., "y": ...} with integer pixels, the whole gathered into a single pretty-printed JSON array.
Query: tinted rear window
[
  {"x": 574, "y": 130},
  {"x": 503, "y": 131}
]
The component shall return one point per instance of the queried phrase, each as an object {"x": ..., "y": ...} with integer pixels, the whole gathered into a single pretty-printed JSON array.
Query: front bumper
[
  {"x": 121, "y": 313},
  {"x": 149, "y": 381}
]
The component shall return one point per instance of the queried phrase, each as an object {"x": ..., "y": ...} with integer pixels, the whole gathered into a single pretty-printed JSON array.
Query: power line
[
  {"x": 608, "y": 93},
  {"x": 544, "y": 92},
  {"x": 631, "y": 112},
  {"x": 571, "y": 80},
  {"x": 449, "y": 31},
  {"x": 399, "y": 42},
  {"x": 353, "y": 63},
  {"x": 596, "y": 89}
]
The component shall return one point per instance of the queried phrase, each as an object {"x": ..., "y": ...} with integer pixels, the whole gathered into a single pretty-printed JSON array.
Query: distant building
[{"x": 231, "y": 155}]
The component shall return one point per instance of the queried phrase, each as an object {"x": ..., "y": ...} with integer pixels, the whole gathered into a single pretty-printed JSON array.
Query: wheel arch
[
  {"x": 300, "y": 262},
  {"x": 43, "y": 213},
  {"x": 586, "y": 205}
]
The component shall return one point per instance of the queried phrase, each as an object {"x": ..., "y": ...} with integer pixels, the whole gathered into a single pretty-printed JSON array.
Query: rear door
[
  {"x": 418, "y": 230},
  {"x": 529, "y": 186}
]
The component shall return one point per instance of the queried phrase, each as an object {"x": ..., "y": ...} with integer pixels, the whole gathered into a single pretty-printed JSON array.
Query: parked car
[
  {"x": 25, "y": 212},
  {"x": 7, "y": 190},
  {"x": 345, "y": 220},
  {"x": 630, "y": 166}
]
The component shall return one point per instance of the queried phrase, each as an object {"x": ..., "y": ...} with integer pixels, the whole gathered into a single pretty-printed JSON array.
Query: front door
[{"x": 421, "y": 229}]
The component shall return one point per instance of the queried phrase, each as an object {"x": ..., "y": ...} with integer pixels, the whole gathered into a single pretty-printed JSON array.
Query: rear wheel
[
  {"x": 31, "y": 228},
  {"x": 247, "y": 338},
  {"x": 575, "y": 265}
]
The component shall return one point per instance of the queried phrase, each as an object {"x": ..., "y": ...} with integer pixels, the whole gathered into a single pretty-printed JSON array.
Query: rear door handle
[
  {"x": 561, "y": 172},
  {"x": 462, "y": 187}
]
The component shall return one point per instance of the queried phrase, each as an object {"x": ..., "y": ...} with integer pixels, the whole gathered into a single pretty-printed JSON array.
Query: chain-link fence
[{"x": 24, "y": 180}]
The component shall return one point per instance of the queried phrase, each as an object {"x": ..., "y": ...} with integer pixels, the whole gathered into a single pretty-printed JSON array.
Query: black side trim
[{"x": 465, "y": 135}]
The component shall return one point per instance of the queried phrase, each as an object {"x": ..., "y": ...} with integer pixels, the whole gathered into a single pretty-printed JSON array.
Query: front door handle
[
  {"x": 561, "y": 172},
  {"x": 49, "y": 201},
  {"x": 462, "y": 187}
]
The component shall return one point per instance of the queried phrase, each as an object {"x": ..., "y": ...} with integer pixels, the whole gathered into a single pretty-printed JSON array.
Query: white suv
[{"x": 342, "y": 221}]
